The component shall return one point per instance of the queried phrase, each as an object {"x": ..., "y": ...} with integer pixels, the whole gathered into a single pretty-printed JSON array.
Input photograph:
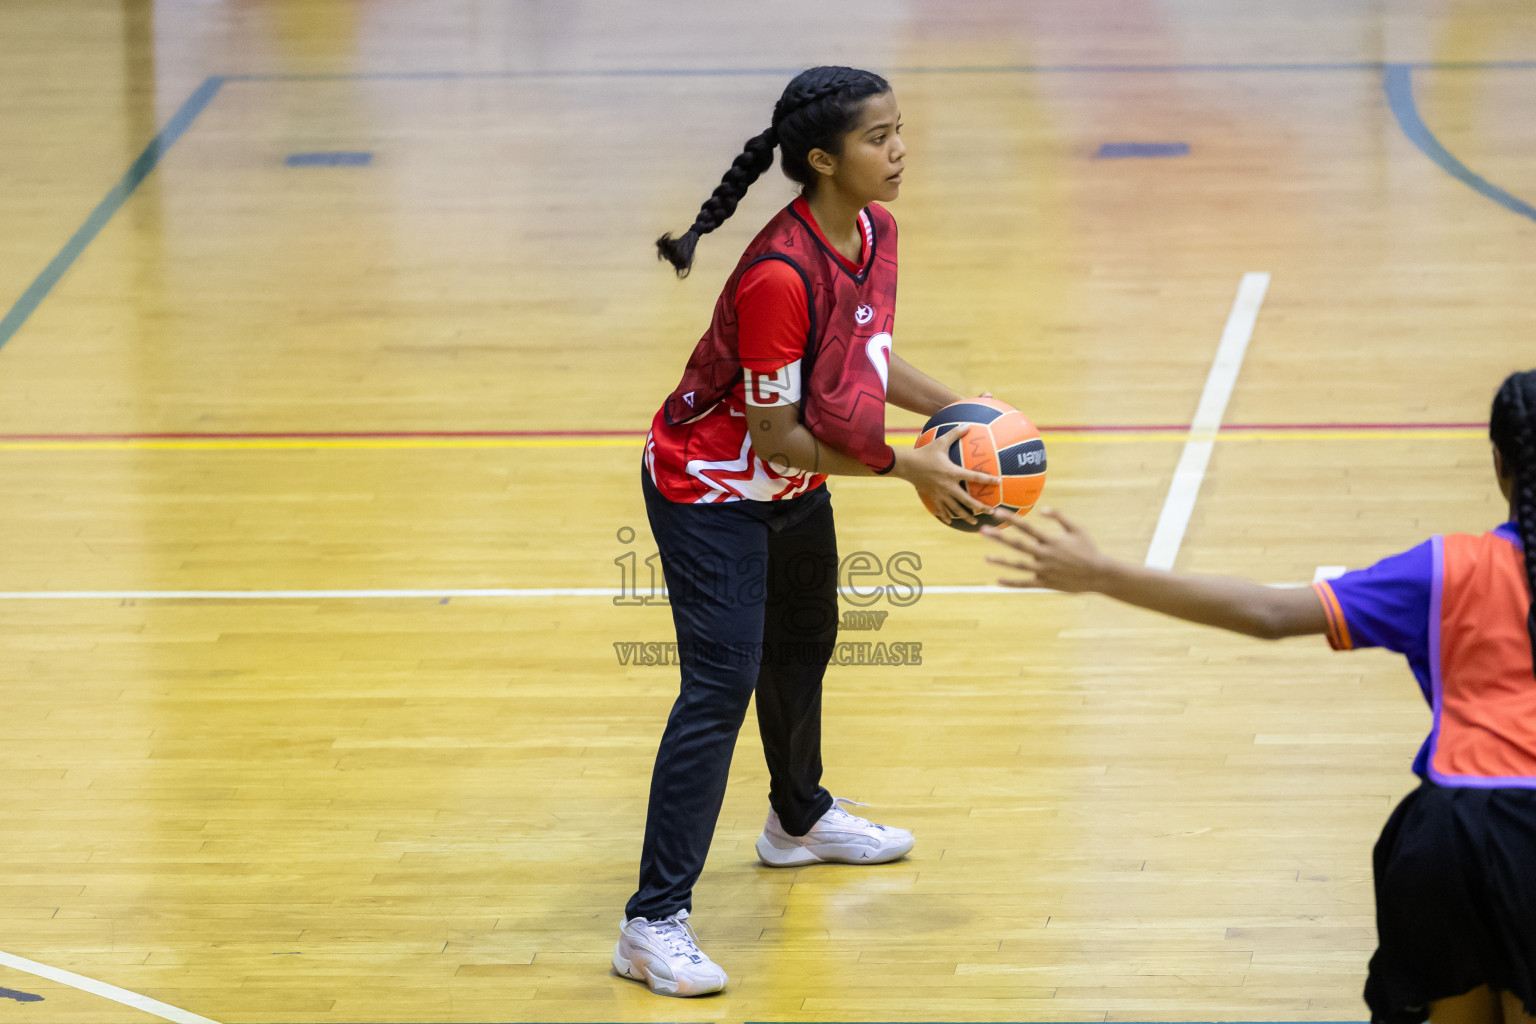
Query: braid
[
  {"x": 755, "y": 158},
  {"x": 804, "y": 91},
  {"x": 816, "y": 110},
  {"x": 1525, "y": 489},
  {"x": 1513, "y": 430}
]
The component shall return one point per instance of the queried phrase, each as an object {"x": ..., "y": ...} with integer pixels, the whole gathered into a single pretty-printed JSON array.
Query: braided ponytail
[
  {"x": 816, "y": 110},
  {"x": 1512, "y": 428},
  {"x": 755, "y": 158}
]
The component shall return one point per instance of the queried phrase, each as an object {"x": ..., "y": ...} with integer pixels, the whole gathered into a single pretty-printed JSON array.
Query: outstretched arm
[{"x": 1068, "y": 560}]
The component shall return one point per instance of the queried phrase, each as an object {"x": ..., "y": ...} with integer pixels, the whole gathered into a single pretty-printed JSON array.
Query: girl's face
[{"x": 869, "y": 167}]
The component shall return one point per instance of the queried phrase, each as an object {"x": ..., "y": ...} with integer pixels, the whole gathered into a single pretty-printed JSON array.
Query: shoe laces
[
  {"x": 848, "y": 818},
  {"x": 678, "y": 937}
]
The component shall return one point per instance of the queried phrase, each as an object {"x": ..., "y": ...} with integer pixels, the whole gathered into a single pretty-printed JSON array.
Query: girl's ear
[{"x": 822, "y": 162}]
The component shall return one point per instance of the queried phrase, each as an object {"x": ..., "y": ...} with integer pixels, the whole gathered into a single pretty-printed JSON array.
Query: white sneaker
[
  {"x": 837, "y": 837},
  {"x": 666, "y": 956}
]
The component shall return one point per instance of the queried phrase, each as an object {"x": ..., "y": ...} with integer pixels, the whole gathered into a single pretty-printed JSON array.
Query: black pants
[
  {"x": 1455, "y": 900},
  {"x": 753, "y": 586}
]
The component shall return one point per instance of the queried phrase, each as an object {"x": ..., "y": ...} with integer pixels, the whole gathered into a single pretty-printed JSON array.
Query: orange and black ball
[{"x": 1001, "y": 442}]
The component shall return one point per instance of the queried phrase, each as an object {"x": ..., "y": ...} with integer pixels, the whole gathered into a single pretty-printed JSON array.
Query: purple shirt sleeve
[{"x": 1387, "y": 605}]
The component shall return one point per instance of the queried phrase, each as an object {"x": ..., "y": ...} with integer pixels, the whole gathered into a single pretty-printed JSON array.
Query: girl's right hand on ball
[{"x": 938, "y": 479}]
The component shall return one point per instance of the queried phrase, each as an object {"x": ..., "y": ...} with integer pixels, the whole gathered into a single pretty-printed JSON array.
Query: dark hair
[
  {"x": 817, "y": 109},
  {"x": 1512, "y": 428}
]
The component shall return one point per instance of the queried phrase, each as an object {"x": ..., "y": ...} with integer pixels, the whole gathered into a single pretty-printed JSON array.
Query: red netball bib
[{"x": 846, "y": 365}]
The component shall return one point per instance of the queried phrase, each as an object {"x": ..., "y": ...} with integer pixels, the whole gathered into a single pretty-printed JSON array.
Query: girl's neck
[{"x": 838, "y": 218}]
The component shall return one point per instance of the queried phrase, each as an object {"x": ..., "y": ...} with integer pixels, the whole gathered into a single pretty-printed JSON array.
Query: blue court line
[
  {"x": 1141, "y": 150},
  {"x": 115, "y": 198},
  {"x": 1397, "y": 79},
  {"x": 335, "y": 158},
  {"x": 958, "y": 69},
  {"x": 20, "y": 997}
]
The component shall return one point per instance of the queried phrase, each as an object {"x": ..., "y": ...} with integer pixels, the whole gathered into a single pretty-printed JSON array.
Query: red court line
[
  {"x": 1097, "y": 428},
  {"x": 1352, "y": 426}
]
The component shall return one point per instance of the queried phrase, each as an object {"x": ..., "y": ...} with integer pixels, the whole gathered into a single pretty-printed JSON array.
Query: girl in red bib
[
  {"x": 788, "y": 385},
  {"x": 1456, "y": 863}
]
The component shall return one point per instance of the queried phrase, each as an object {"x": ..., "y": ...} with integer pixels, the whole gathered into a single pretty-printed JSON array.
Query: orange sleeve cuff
[{"x": 1338, "y": 627}]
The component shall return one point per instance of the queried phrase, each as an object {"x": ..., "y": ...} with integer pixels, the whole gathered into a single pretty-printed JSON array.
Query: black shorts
[{"x": 1455, "y": 900}]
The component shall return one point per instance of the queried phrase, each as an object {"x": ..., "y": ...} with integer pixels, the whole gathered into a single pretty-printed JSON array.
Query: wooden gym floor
[{"x": 263, "y": 427}]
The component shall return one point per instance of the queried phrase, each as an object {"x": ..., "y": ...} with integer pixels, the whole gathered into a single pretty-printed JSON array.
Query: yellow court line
[
  {"x": 285, "y": 443},
  {"x": 1356, "y": 435},
  {"x": 1165, "y": 437},
  {"x": 442, "y": 443}
]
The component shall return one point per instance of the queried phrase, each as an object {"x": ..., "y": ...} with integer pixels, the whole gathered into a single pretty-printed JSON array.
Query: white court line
[
  {"x": 1180, "y": 503},
  {"x": 294, "y": 595},
  {"x": 331, "y": 595},
  {"x": 165, "y": 1011},
  {"x": 325, "y": 595}
]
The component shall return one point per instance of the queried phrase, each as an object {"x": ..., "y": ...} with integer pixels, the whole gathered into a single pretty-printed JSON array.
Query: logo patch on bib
[{"x": 878, "y": 349}]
